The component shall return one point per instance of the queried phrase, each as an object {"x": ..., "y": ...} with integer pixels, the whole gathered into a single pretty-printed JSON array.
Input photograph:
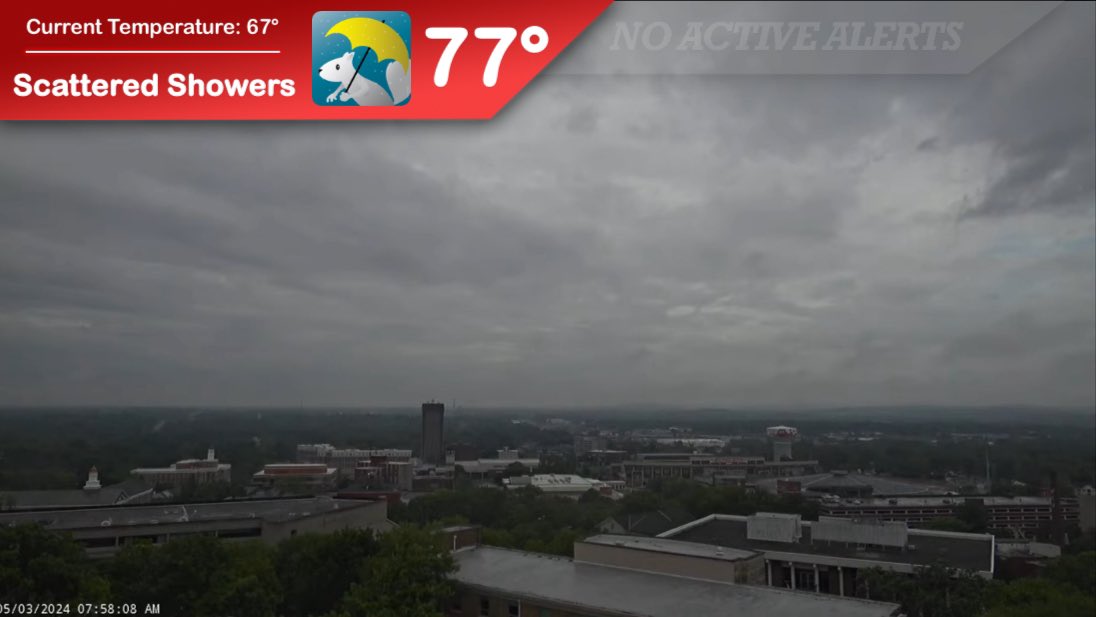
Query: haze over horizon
[{"x": 728, "y": 242}]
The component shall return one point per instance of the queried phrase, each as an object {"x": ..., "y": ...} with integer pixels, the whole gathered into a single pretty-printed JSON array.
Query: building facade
[
  {"x": 566, "y": 485},
  {"x": 646, "y": 467},
  {"x": 313, "y": 475},
  {"x": 827, "y": 556},
  {"x": 586, "y": 443},
  {"x": 187, "y": 472},
  {"x": 433, "y": 433},
  {"x": 607, "y": 580},
  {"x": 1023, "y": 516},
  {"x": 347, "y": 460}
]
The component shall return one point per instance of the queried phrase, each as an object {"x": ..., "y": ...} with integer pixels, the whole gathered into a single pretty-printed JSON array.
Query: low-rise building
[
  {"x": 1022, "y": 516},
  {"x": 92, "y": 494},
  {"x": 347, "y": 460},
  {"x": 650, "y": 466},
  {"x": 566, "y": 485},
  {"x": 844, "y": 484},
  {"x": 187, "y": 472},
  {"x": 313, "y": 475},
  {"x": 827, "y": 555},
  {"x": 398, "y": 475},
  {"x": 491, "y": 467},
  {"x": 104, "y": 531},
  {"x": 604, "y": 582}
]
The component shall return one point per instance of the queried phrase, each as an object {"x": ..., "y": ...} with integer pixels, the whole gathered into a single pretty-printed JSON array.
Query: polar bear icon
[{"x": 364, "y": 91}]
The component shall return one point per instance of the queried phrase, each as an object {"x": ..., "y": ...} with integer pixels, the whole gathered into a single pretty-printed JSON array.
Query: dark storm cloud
[
  {"x": 1043, "y": 94},
  {"x": 684, "y": 240}
]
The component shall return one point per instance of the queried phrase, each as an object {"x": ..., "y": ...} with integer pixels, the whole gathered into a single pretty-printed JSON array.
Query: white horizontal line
[{"x": 151, "y": 51}]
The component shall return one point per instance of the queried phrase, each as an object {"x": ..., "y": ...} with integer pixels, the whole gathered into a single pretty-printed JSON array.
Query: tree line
[
  {"x": 1066, "y": 588},
  {"x": 348, "y": 573}
]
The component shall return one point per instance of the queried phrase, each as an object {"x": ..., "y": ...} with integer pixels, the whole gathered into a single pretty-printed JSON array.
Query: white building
[
  {"x": 566, "y": 485},
  {"x": 190, "y": 471}
]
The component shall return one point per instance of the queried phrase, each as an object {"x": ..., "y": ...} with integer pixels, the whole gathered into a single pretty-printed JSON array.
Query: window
[
  {"x": 545, "y": 613},
  {"x": 485, "y": 607},
  {"x": 254, "y": 532},
  {"x": 513, "y": 610}
]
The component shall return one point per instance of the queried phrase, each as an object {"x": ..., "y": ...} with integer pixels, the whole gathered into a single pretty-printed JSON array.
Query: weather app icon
[{"x": 361, "y": 58}]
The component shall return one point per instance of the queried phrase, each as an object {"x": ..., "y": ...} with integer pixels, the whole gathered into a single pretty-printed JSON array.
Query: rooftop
[
  {"x": 674, "y": 547},
  {"x": 184, "y": 467},
  {"x": 880, "y": 485},
  {"x": 652, "y": 522},
  {"x": 968, "y": 551},
  {"x": 73, "y": 498},
  {"x": 642, "y": 594},
  {"x": 279, "y": 510}
]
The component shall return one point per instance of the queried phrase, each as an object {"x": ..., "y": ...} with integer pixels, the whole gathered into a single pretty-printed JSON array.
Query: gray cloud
[{"x": 685, "y": 240}]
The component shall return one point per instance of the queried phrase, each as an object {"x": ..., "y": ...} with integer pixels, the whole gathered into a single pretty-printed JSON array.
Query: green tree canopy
[
  {"x": 316, "y": 570},
  {"x": 200, "y": 576},
  {"x": 408, "y": 577},
  {"x": 37, "y": 565}
]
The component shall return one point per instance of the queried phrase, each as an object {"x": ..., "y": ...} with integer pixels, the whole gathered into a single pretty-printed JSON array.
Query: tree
[
  {"x": 947, "y": 524},
  {"x": 973, "y": 513},
  {"x": 37, "y": 565},
  {"x": 1040, "y": 598},
  {"x": 515, "y": 469},
  {"x": 408, "y": 577},
  {"x": 1076, "y": 571},
  {"x": 932, "y": 591},
  {"x": 200, "y": 576},
  {"x": 316, "y": 570}
]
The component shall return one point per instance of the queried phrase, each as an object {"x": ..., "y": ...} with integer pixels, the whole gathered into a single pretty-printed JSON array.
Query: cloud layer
[{"x": 730, "y": 241}]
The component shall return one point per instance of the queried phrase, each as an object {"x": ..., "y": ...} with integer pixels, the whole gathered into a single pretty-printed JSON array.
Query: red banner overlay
[{"x": 249, "y": 60}]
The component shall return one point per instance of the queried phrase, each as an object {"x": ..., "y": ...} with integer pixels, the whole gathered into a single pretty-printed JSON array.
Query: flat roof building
[
  {"x": 308, "y": 474},
  {"x": 1022, "y": 515},
  {"x": 93, "y": 494},
  {"x": 103, "y": 531},
  {"x": 189, "y": 471},
  {"x": 853, "y": 485},
  {"x": 650, "y": 466},
  {"x": 564, "y": 484},
  {"x": 346, "y": 460},
  {"x": 500, "y": 582},
  {"x": 827, "y": 555}
]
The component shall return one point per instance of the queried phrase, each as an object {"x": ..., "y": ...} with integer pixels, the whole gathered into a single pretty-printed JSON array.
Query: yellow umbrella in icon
[{"x": 372, "y": 34}]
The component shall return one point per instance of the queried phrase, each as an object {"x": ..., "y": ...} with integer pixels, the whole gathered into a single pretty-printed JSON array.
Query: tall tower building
[{"x": 433, "y": 430}]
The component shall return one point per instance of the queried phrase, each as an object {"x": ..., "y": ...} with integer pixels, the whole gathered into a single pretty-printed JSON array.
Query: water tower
[{"x": 782, "y": 438}]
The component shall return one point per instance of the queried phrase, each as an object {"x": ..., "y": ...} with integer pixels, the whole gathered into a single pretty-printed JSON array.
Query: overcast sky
[{"x": 722, "y": 241}]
